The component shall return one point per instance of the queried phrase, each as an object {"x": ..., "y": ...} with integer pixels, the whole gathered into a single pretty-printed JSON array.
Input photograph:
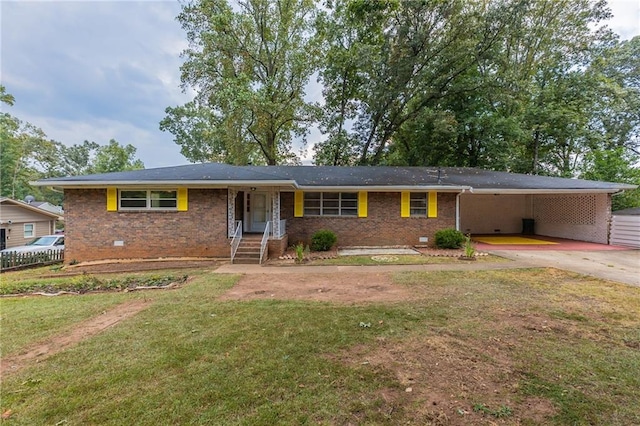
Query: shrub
[
  {"x": 449, "y": 239},
  {"x": 323, "y": 240}
]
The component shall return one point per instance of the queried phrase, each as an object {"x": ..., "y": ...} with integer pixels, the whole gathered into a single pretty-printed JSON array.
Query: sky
[{"x": 101, "y": 70}]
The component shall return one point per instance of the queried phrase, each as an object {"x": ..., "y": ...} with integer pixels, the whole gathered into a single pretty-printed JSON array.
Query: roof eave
[
  {"x": 384, "y": 188},
  {"x": 546, "y": 191},
  {"x": 165, "y": 183}
]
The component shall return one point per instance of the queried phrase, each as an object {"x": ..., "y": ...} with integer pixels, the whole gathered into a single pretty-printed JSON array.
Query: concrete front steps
[{"x": 249, "y": 250}]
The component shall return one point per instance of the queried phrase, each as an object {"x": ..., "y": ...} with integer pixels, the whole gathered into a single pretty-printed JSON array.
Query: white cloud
[
  {"x": 626, "y": 18},
  {"x": 96, "y": 71}
]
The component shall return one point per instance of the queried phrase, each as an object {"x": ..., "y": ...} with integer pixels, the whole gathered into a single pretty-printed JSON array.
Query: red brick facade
[
  {"x": 91, "y": 231},
  {"x": 383, "y": 225}
]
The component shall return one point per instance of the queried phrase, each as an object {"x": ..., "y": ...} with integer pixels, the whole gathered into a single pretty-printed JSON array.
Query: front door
[
  {"x": 259, "y": 212},
  {"x": 3, "y": 239}
]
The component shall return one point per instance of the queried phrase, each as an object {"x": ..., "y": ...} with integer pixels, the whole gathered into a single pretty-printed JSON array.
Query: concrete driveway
[{"x": 619, "y": 265}]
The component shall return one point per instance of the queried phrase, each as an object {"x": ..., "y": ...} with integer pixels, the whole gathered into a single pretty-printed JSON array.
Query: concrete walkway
[{"x": 620, "y": 265}]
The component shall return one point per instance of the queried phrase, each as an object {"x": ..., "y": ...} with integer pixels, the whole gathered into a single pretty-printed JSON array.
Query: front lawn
[{"x": 535, "y": 346}]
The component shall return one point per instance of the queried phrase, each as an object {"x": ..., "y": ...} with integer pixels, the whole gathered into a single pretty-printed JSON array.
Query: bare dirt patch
[
  {"x": 339, "y": 288},
  {"x": 80, "y": 332},
  {"x": 446, "y": 382}
]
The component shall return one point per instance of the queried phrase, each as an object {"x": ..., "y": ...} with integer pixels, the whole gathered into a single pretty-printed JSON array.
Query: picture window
[
  {"x": 331, "y": 204},
  {"x": 148, "y": 200}
]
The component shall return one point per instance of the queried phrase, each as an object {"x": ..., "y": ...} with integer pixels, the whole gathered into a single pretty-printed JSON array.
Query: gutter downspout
[{"x": 458, "y": 209}]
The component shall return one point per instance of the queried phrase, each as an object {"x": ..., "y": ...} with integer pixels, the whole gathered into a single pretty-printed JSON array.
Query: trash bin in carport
[{"x": 528, "y": 226}]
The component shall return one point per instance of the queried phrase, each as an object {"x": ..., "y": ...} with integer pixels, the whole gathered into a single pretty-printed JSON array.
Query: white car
[{"x": 40, "y": 244}]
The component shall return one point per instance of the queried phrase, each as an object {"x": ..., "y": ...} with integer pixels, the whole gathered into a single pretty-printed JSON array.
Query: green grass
[
  {"x": 28, "y": 321},
  {"x": 192, "y": 359}
]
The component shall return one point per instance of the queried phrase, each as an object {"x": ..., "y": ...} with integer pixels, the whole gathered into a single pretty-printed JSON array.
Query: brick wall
[
  {"x": 583, "y": 217},
  {"x": 277, "y": 246},
  {"x": 91, "y": 230},
  {"x": 382, "y": 227}
]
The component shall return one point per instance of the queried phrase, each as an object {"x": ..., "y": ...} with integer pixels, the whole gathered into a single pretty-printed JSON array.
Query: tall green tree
[
  {"x": 503, "y": 85},
  {"x": 249, "y": 67},
  {"x": 76, "y": 160},
  {"x": 114, "y": 157},
  {"x": 24, "y": 152},
  {"x": 401, "y": 58}
]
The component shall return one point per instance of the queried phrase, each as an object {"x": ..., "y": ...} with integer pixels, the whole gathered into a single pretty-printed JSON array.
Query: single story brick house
[{"x": 195, "y": 210}]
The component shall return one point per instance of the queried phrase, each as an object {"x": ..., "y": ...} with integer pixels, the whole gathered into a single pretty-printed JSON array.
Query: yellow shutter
[
  {"x": 112, "y": 199},
  {"x": 183, "y": 199},
  {"x": 298, "y": 204},
  {"x": 362, "y": 204},
  {"x": 405, "y": 204},
  {"x": 433, "y": 204}
]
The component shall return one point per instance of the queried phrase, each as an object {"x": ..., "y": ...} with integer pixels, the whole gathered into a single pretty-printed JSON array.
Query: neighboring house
[
  {"x": 45, "y": 205},
  {"x": 193, "y": 210},
  {"x": 21, "y": 222}
]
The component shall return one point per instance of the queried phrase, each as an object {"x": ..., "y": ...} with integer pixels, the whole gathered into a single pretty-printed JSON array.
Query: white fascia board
[
  {"x": 542, "y": 191},
  {"x": 166, "y": 183},
  {"x": 395, "y": 188}
]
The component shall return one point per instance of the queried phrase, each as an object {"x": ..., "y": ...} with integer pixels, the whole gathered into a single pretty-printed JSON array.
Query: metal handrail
[
  {"x": 237, "y": 237},
  {"x": 265, "y": 240},
  {"x": 282, "y": 228}
]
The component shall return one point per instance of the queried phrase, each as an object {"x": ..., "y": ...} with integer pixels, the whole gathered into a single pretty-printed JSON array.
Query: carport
[
  {"x": 582, "y": 216},
  {"x": 511, "y": 203}
]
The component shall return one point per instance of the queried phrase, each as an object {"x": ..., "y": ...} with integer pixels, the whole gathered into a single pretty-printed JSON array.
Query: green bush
[
  {"x": 449, "y": 239},
  {"x": 323, "y": 240}
]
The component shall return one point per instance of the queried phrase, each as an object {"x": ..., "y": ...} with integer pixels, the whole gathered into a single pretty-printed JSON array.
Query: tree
[
  {"x": 26, "y": 154},
  {"x": 76, "y": 160},
  {"x": 615, "y": 165},
  {"x": 506, "y": 85},
  {"x": 401, "y": 58},
  {"x": 249, "y": 69},
  {"x": 115, "y": 158},
  {"x": 24, "y": 151}
]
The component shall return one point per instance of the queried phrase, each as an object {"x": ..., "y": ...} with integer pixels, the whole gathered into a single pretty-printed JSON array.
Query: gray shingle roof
[{"x": 332, "y": 176}]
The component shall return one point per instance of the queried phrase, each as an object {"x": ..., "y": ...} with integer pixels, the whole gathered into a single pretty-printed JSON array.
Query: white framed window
[
  {"x": 149, "y": 199},
  {"x": 331, "y": 204},
  {"x": 418, "y": 204},
  {"x": 29, "y": 230}
]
